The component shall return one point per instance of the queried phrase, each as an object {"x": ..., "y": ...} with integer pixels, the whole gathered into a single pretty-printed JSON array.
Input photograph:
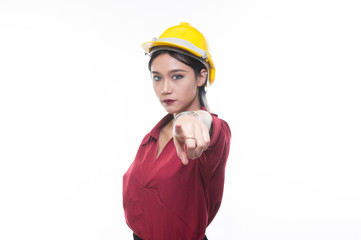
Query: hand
[{"x": 191, "y": 137}]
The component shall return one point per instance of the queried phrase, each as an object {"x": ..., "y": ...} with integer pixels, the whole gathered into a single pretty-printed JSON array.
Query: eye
[
  {"x": 177, "y": 76},
  {"x": 156, "y": 78}
]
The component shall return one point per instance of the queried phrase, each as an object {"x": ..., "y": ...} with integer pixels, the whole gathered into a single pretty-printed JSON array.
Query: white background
[{"x": 76, "y": 100}]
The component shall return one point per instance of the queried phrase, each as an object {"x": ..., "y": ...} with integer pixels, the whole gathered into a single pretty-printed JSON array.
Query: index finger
[
  {"x": 178, "y": 130},
  {"x": 179, "y": 143}
]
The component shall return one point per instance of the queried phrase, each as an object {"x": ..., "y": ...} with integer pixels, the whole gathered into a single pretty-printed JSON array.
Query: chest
[
  {"x": 157, "y": 163},
  {"x": 165, "y": 137}
]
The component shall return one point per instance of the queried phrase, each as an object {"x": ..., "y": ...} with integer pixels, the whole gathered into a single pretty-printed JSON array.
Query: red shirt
[{"x": 164, "y": 199}]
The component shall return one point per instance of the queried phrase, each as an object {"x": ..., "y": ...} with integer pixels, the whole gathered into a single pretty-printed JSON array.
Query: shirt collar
[{"x": 156, "y": 130}]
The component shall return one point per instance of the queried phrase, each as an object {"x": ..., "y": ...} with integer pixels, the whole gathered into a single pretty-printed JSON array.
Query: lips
[{"x": 168, "y": 101}]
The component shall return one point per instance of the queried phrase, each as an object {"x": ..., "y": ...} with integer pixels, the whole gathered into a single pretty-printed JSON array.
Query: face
[{"x": 175, "y": 84}]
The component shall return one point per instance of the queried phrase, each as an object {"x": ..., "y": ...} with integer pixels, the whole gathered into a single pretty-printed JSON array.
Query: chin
[{"x": 171, "y": 110}]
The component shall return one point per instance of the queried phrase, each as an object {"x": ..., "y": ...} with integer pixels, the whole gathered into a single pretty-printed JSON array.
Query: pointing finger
[
  {"x": 179, "y": 142},
  {"x": 179, "y": 132}
]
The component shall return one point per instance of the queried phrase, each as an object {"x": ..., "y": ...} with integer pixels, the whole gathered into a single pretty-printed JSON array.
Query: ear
[{"x": 202, "y": 78}]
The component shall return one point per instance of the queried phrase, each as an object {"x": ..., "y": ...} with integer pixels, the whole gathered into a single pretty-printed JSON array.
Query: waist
[{"x": 138, "y": 238}]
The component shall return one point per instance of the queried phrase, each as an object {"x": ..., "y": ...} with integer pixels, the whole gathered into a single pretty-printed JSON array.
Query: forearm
[{"x": 201, "y": 115}]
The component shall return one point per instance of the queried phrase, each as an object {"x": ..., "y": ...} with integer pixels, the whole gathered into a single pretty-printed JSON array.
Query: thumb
[{"x": 183, "y": 156}]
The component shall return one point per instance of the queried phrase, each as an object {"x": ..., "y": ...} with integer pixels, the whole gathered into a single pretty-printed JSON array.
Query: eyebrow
[{"x": 172, "y": 71}]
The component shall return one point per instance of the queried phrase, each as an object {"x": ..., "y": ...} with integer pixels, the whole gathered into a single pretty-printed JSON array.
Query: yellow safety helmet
[{"x": 187, "y": 38}]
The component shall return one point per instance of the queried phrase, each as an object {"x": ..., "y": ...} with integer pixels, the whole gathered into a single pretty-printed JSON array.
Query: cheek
[
  {"x": 188, "y": 90},
  {"x": 192, "y": 87}
]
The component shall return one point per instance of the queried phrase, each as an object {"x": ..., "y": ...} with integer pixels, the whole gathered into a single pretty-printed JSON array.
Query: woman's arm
[{"x": 191, "y": 134}]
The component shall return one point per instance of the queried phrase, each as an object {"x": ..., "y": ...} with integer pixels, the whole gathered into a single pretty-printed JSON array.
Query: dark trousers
[{"x": 137, "y": 238}]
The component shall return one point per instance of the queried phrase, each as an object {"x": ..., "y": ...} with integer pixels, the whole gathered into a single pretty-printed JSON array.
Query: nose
[{"x": 166, "y": 87}]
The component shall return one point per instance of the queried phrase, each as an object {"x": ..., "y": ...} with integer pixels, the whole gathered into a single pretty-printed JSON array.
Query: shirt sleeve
[
  {"x": 220, "y": 131},
  {"x": 216, "y": 155},
  {"x": 214, "y": 162}
]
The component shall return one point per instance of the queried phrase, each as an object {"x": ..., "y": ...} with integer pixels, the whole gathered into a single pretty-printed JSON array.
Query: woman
[{"x": 174, "y": 187}]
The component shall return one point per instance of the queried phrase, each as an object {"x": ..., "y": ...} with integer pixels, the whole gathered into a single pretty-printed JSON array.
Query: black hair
[{"x": 195, "y": 64}]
